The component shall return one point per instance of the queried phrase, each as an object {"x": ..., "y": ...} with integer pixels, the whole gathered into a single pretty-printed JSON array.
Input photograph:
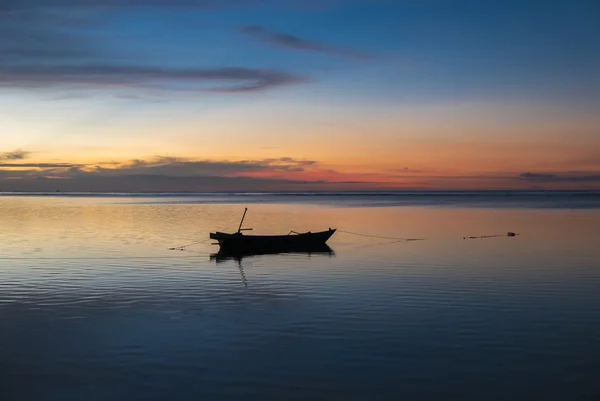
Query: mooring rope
[
  {"x": 182, "y": 247},
  {"x": 100, "y": 257},
  {"x": 398, "y": 239},
  {"x": 380, "y": 237},
  {"x": 508, "y": 234}
]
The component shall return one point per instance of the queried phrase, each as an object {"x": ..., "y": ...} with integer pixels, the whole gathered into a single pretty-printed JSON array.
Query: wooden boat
[{"x": 293, "y": 241}]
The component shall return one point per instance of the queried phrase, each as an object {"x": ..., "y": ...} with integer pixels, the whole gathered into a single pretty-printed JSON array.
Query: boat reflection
[{"x": 320, "y": 250}]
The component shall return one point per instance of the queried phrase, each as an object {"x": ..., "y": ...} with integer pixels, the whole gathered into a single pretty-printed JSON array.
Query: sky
[{"x": 276, "y": 95}]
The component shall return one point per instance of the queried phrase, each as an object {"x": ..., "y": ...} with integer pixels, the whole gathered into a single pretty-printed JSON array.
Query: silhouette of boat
[{"x": 238, "y": 243}]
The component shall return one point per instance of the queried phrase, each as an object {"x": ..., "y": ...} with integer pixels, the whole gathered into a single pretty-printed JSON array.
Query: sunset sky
[{"x": 251, "y": 95}]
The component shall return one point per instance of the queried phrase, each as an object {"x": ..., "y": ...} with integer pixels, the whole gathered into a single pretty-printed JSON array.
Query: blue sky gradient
[{"x": 92, "y": 82}]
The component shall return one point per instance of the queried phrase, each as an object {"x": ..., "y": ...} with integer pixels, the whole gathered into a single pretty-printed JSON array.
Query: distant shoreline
[
  {"x": 432, "y": 198},
  {"x": 415, "y": 192}
]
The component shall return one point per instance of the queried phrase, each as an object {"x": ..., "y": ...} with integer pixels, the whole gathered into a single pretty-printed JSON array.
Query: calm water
[{"x": 93, "y": 306}]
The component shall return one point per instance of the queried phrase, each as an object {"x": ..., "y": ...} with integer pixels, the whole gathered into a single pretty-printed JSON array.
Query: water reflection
[
  {"x": 226, "y": 256},
  {"x": 320, "y": 250},
  {"x": 124, "y": 318}
]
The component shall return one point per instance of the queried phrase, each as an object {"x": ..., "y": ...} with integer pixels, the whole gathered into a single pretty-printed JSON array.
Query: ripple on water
[{"x": 437, "y": 319}]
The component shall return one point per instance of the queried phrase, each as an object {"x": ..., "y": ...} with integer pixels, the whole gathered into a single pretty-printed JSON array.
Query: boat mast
[{"x": 242, "y": 222}]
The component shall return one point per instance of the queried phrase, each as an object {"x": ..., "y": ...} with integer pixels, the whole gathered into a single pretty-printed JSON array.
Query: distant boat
[{"x": 240, "y": 243}]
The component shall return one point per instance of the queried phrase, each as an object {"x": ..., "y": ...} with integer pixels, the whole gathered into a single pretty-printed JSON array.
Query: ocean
[{"x": 95, "y": 306}]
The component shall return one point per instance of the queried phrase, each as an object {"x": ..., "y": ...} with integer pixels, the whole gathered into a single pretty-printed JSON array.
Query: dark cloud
[
  {"x": 176, "y": 174},
  {"x": 8, "y": 7},
  {"x": 156, "y": 174},
  {"x": 292, "y": 42},
  {"x": 239, "y": 79},
  {"x": 169, "y": 167},
  {"x": 177, "y": 167},
  {"x": 34, "y": 37},
  {"x": 12, "y": 7},
  {"x": 36, "y": 51},
  {"x": 561, "y": 177},
  {"x": 15, "y": 155}
]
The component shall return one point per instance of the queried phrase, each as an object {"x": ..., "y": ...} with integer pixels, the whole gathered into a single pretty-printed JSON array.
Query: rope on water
[
  {"x": 388, "y": 242},
  {"x": 99, "y": 257},
  {"x": 380, "y": 237},
  {"x": 182, "y": 247},
  {"x": 508, "y": 234}
]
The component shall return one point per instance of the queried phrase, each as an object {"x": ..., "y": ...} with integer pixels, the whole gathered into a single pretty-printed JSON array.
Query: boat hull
[{"x": 240, "y": 243}]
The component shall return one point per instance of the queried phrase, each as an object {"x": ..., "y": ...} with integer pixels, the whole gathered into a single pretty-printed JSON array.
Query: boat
[{"x": 240, "y": 243}]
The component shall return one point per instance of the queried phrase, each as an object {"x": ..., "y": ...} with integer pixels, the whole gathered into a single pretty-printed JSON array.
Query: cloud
[
  {"x": 169, "y": 167},
  {"x": 561, "y": 177},
  {"x": 12, "y": 7},
  {"x": 238, "y": 79},
  {"x": 174, "y": 174},
  {"x": 9, "y": 7},
  {"x": 53, "y": 44},
  {"x": 292, "y": 42},
  {"x": 163, "y": 174},
  {"x": 178, "y": 167},
  {"x": 28, "y": 38},
  {"x": 15, "y": 155}
]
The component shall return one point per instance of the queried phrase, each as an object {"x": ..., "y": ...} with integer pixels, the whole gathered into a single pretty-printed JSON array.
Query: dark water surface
[{"x": 93, "y": 306}]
